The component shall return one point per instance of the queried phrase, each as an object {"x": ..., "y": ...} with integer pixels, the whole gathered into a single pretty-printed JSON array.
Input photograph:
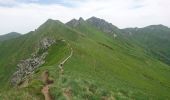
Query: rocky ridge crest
[{"x": 28, "y": 66}]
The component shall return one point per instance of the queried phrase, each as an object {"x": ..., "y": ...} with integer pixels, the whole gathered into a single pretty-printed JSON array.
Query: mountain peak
[
  {"x": 49, "y": 22},
  {"x": 81, "y": 19},
  {"x": 159, "y": 26},
  {"x": 52, "y": 21},
  {"x": 94, "y": 18},
  {"x": 102, "y": 24},
  {"x": 14, "y": 33},
  {"x": 75, "y": 22},
  {"x": 9, "y": 36}
]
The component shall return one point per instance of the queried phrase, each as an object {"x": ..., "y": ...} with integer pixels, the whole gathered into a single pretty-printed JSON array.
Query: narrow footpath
[{"x": 48, "y": 82}]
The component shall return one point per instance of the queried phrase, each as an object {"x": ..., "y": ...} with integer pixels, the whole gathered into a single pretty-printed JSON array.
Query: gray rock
[
  {"x": 74, "y": 22},
  {"x": 46, "y": 42},
  {"x": 102, "y": 24},
  {"x": 27, "y": 66}
]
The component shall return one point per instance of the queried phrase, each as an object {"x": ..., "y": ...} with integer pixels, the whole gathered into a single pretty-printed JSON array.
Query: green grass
[
  {"x": 156, "y": 41},
  {"x": 100, "y": 66},
  {"x": 117, "y": 71}
]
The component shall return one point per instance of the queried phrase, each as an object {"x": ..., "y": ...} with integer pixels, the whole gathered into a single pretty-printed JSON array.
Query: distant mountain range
[
  {"x": 154, "y": 39},
  {"x": 86, "y": 60},
  {"x": 9, "y": 36}
]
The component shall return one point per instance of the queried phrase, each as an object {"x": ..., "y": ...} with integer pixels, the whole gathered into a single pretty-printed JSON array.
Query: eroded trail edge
[
  {"x": 61, "y": 65},
  {"x": 48, "y": 82},
  {"x": 66, "y": 91}
]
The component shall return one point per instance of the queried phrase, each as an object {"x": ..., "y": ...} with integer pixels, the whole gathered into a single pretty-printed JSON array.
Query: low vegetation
[{"x": 101, "y": 67}]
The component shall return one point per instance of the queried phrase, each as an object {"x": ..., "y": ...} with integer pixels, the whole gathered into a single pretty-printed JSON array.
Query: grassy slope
[
  {"x": 153, "y": 38},
  {"x": 119, "y": 67},
  {"x": 11, "y": 52},
  {"x": 14, "y": 50},
  {"x": 33, "y": 89},
  {"x": 100, "y": 66}
]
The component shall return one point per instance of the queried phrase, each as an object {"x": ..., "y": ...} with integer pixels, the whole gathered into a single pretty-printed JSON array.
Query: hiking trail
[
  {"x": 66, "y": 91},
  {"x": 48, "y": 82}
]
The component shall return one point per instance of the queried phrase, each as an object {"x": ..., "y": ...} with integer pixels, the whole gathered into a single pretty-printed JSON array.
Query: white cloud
[
  {"x": 7, "y": 2},
  {"x": 122, "y": 13}
]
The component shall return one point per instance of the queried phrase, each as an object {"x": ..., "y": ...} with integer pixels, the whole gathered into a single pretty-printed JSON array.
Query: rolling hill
[
  {"x": 9, "y": 36},
  {"x": 80, "y": 60},
  {"x": 154, "y": 38}
]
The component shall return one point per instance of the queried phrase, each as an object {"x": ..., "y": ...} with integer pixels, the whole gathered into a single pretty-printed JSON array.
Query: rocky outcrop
[
  {"x": 27, "y": 66},
  {"x": 46, "y": 42},
  {"x": 102, "y": 24},
  {"x": 74, "y": 22}
]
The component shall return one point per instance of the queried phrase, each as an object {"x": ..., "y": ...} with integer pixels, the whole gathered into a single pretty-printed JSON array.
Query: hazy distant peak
[
  {"x": 102, "y": 24},
  {"x": 81, "y": 19},
  {"x": 51, "y": 21},
  {"x": 10, "y": 35},
  {"x": 75, "y": 22},
  {"x": 159, "y": 26}
]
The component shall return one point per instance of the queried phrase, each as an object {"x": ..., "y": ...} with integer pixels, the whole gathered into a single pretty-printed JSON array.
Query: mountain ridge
[
  {"x": 102, "y": 66},
  {"x": 10, "y": 35},
  {"x": 154, "y": 38}
]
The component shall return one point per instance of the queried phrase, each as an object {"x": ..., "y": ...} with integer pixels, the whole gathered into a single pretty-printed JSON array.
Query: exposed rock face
[
  {"x": 46, "y": 42},
  {"x": 114, "y": 35},
  {"x": 74, "y": 22},
  {"x": 102, "y": 24},
  {"x": 27, "y": 66}
]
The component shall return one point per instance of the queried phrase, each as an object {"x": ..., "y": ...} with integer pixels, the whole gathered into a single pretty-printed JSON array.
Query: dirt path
[
  {"x": 47, "y": 82},
  {"x": 66, "y": 91},
  {"x": 46, "y": 93},
  {"x": 61, "y": 65},
  {"x": 63, "y": 62}
]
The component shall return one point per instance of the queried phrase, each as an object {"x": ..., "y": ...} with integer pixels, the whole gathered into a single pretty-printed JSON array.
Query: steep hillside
[
  {"x": 154, "y": 38},
  {"x": 17, "y": 49},
  {"x": 85, "y": 62},
  {"x": 9, "y": 36}
]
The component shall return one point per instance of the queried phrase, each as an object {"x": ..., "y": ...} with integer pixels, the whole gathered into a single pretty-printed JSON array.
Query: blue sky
[
  {"x": 67, "y": 3},
  {"x": 26, "y": 15}
]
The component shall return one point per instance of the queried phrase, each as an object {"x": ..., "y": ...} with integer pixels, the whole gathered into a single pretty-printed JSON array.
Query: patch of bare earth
[
  {"x": 47, "y": 82},
  {"x": 67, "y": 92}
]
